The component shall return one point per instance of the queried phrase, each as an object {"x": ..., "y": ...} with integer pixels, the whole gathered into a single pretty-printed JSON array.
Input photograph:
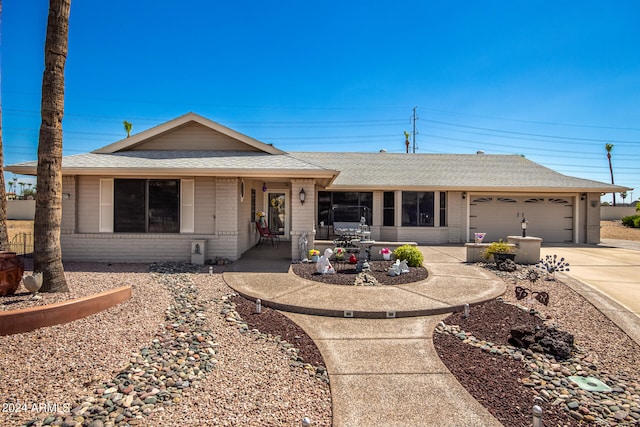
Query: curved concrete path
[
  {"x": 451, "y": 284},
  {"x": 382, "y": 371}
]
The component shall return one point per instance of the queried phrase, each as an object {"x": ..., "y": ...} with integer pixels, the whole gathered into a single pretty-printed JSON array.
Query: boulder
[{"x": 550, "y": 340}]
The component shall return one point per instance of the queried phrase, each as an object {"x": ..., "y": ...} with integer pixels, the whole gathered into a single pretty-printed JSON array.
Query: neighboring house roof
[{"x": 448, "y": 171}]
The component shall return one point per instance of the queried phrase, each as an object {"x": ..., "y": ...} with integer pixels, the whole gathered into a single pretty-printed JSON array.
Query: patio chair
[{"x": 266, "y": 234}]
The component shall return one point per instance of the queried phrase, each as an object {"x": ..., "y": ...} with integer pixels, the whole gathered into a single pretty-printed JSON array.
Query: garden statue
[
  {"x": 303, "y": 246},
  {"x": 323, "y": 266},
  {"x": 398, "y": 268}
]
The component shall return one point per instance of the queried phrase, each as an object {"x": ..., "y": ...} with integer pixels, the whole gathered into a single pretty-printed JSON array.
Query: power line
[
  {"x": 535, "y": 122},
  {"x": 534, "y": 134}
]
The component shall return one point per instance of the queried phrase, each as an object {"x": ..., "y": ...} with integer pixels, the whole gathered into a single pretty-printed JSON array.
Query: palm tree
[
  {"x": 127, "y": 127},
  {"x": 4, "y": 237},
  {"x": 609, "y": 147},
  {"x": 47, "y": 255},
  {"x": 623, "y": 194}
]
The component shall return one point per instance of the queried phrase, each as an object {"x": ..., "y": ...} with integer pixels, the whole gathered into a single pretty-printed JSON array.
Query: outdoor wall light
[
  {"x": 302, "y": 196},
  {"x": 583, "y": 196},
  {"x": 264, "y": 187},
  {"x": 524, "y": 226},
  {"x": 464, "y": 195}
]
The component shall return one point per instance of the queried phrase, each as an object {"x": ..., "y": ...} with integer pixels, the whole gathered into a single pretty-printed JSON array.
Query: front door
[{"x": 277, "y": 212}]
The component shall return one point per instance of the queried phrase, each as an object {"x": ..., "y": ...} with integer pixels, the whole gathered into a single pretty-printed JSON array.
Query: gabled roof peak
[{"x": 133, "y": 141}]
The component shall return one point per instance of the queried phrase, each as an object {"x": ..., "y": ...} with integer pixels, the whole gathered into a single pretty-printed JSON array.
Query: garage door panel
[{"x": 550, "y": 218}]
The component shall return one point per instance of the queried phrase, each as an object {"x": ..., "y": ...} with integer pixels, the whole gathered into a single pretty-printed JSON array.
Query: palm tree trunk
[
  {"x": 611, "y": 171},
  {"x": 47, "y": 254},
  {"x": 4, "y": 237}
]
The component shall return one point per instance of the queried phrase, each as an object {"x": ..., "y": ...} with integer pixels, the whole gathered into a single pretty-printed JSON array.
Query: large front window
[
  {"x": 417, "y": 208},
  {"x": 348, "y": 206},
  {"x": 146, "y": 205}
]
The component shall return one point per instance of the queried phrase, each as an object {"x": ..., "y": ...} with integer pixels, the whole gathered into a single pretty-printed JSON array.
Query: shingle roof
[
  {"x": 204, "y": 161},
  {"x": 356, "y": 170},
  {"x": 451, "y": 171}
]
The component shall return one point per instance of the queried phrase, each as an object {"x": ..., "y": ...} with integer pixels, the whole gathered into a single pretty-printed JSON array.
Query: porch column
[
  {"x": 69, "y": 205},
  {"x": 226, "y": 216},
  {"x": 436, "y": 209},
  {"x": 303, "y": 216}
]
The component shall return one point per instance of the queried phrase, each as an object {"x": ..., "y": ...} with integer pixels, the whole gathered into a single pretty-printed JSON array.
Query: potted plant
[
  {"x": 386, "y": 253},
  {"x": 500, "y": 251},
  {"x": 262, "y": 218},
  {"x": 314, "y": 254}
]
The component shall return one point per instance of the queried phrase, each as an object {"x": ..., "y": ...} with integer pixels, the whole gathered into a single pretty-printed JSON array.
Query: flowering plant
[
  {"x": 339, "y": 252},
  {"x": 385, "y": 251},
  {"x": 260, "y": 214},
  {"x": 314, "y": 252}
]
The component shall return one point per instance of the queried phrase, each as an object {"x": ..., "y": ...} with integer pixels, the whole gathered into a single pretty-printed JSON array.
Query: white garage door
[{"x": 550, "y": 218}]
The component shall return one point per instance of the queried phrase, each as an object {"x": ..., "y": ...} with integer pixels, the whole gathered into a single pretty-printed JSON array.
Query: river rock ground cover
[
  {"x": 176, "y": 353},
  {"x": 509, "y": 381}
]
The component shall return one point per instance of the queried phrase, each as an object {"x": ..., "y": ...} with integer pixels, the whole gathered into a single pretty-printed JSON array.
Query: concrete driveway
[
  {"x": 613, "y": 271},
  {"x": 608, "y": 275}
]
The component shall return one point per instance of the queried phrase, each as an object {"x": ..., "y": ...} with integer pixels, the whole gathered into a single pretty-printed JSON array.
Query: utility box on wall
[{"x": 197, "y": 252}]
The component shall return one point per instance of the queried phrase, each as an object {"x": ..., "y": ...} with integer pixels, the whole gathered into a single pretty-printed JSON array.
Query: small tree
[{"x": 127, "y": 127}]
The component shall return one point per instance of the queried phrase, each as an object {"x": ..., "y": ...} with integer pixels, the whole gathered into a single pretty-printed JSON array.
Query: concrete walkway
[
  {"x": 385, "y": 371},
  {"x": 450, "y": 285},
  {"x": 382, "y": 371}
]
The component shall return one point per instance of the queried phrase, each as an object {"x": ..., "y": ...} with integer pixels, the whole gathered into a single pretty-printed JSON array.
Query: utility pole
[{"x": 414, "y": 117}]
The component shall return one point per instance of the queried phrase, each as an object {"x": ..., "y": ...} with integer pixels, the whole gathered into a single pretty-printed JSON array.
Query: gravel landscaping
[
  {"x": 176, "y": 353},
  {"x": 346, "y": 274},
  {"x": 185, "y": 350}
]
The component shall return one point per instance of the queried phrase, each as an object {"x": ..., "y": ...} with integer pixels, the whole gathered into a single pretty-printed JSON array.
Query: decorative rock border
[
  {"x": 28, "y": 319},
  {"x": 182, "y": 353},
  {"x": 550, "y": 380},
  {"x": 234, "y": 318}
]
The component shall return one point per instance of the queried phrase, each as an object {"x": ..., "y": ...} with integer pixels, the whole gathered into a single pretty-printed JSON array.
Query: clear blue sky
[{"x": 553, "y": 81}]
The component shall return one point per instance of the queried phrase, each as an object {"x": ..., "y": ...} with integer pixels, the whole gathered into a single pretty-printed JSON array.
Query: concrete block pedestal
[{"x": 527, "y": 249}]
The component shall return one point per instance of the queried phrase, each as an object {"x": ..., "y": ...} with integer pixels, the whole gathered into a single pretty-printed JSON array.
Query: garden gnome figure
[
  {"x": 303, "y": 245},
  {"x": 323, "y": 266}
]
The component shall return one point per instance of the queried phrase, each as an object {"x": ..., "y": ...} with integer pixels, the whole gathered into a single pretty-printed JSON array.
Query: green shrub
[
  {"x": 411, "y": 254},
  {"x": 499, "y": 247},
  {"x": 631, "y": 221}
]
